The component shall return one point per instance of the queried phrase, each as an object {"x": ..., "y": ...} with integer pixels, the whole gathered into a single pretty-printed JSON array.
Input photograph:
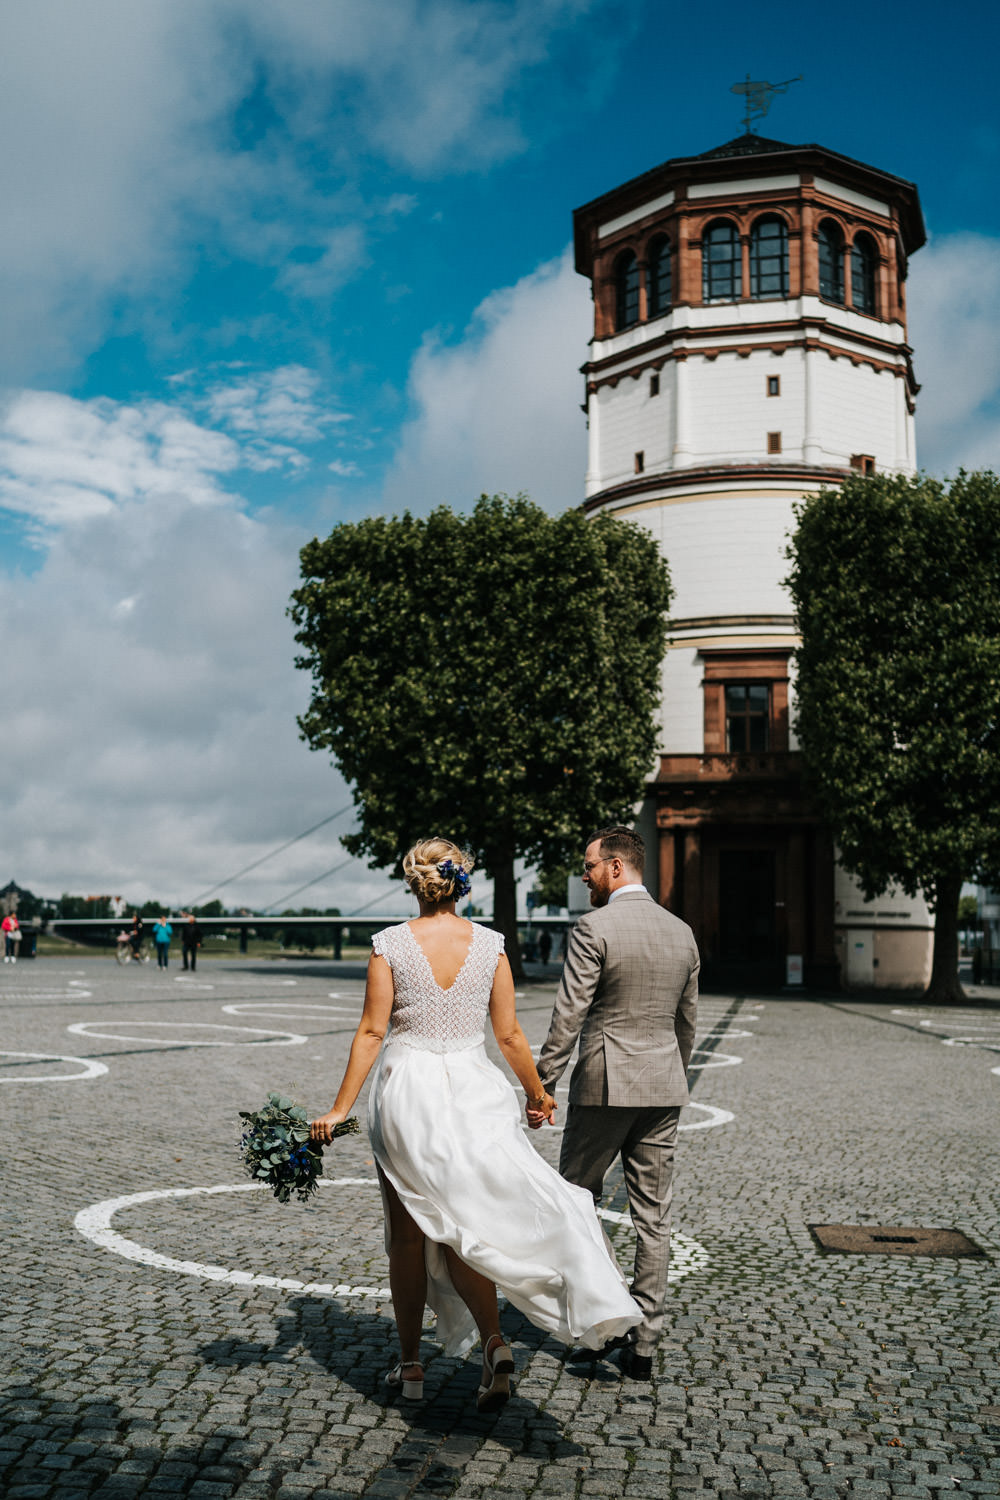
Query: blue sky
[{"x": 266, "y": 267}]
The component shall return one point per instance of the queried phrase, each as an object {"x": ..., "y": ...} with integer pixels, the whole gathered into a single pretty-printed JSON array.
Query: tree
[
  {"x": 896, "y": 583},
  {"x": 492, "y": 677}
]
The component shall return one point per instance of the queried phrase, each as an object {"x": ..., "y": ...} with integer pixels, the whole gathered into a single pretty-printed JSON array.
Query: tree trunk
[
  {"x": 505, "y": 910},
  {"x": 945, "y": 988}
]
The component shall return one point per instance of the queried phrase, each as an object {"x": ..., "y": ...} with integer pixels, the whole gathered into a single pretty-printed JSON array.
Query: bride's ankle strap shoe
[
  {"x": 412, "y": 1386},
  {"x": 498, "y": 1365}
]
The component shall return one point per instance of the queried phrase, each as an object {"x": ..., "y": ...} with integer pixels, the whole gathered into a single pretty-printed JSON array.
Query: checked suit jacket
[{"x": 629, "y": 992}]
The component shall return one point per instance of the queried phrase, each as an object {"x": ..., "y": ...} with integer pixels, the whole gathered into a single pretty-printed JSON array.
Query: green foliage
[
  {"x": 492, "y": 677},
  {"x": 896, "y": 583},
  {"x": 552, "y": 885},
  {"x": 968, "y": 911},
  {"x": 276, "y": 1148}
]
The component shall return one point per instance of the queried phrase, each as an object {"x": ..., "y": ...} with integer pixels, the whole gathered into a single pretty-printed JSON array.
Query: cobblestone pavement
[{"x": 192, "y": 1370}]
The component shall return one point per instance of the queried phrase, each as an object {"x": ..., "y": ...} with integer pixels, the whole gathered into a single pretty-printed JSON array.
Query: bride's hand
[
  {"x": 538, "y": 1114},
  {"x": 321, "y": 1130}
]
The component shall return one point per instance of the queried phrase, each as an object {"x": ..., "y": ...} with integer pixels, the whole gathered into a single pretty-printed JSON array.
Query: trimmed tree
[
  {"x": 493, "y": 678},
  {"x": 896, "y": 583}
]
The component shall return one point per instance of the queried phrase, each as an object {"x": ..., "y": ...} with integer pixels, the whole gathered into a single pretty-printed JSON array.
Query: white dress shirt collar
[{"x": 635, "y": 886}]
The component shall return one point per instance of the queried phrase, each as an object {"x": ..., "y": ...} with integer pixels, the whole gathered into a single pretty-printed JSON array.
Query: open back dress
[{"x": 445, "y": 1127}]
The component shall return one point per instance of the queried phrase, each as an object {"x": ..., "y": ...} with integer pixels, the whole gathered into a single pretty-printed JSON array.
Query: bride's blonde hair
[{"x": 423, "y": 874}]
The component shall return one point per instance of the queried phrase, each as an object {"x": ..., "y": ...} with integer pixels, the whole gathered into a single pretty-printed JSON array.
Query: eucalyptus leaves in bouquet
[{"x": 276, "y": 1148}]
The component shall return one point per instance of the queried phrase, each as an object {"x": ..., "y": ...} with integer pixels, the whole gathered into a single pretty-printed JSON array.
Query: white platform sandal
[
  {"x": 409, "y": 1389},
  {"x": 498, "y": 1363}
]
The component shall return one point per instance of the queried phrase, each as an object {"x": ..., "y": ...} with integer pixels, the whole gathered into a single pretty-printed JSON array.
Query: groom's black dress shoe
[
  {"x": 582, "y": 1356},
  {"x": 635, "y": 1366}
]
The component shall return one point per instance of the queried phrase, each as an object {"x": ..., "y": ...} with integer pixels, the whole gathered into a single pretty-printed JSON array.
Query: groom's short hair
[{"x": 619, "y": 842}]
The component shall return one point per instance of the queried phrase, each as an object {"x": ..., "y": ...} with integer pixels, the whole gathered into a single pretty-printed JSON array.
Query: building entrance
[{"x": 748, "y": 934}]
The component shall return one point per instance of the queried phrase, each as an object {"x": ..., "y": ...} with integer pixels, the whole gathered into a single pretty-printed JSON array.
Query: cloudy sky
[{"x": 268, "y": 265}]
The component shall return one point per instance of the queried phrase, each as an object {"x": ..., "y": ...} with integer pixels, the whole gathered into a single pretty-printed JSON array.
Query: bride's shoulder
[
  {"x": 386, "y": 938},
  {"x": 487, "y": 934}
]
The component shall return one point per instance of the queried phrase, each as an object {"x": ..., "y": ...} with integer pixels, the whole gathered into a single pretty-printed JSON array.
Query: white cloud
[
  {"x": 121, "y": 134},
  {"x": 150, "y": 743},
  {"x": 63, "y": 460},
  {"x": 954, "y": 314},
  {"x": 500, "y": 411}
]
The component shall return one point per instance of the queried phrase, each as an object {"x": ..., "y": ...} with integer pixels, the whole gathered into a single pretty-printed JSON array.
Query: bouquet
[{"x": 276, "y": 1148}]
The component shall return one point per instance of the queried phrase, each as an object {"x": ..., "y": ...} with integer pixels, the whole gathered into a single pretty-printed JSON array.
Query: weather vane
[{"x": 759, "y": 96}]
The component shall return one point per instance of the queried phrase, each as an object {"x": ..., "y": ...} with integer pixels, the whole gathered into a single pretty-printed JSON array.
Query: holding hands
[{"x": 541, "y": 1109}]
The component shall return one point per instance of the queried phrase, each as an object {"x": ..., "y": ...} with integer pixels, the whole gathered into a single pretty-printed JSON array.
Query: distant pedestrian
[
  {"x": 190, "y": 942},
  {"x": 545, "y": 945},
  {"x": 11, "y": 937},
  {"x": 162, "y": 933},
  {"x": 135, "y": 937}
]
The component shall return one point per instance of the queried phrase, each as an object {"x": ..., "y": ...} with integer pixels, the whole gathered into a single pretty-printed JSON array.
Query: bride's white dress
[{"x": 445, "y": 1126}]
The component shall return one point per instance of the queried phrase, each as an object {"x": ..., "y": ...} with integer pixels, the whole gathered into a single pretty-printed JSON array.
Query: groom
[{"x": 629, "y": 992}]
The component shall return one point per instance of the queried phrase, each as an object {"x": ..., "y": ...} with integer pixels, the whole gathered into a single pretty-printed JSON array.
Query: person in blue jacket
[{"x": 162, "y": 933}]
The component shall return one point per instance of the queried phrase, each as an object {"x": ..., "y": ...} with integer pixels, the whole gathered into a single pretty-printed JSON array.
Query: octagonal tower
[{"x": 749, "y": 347}]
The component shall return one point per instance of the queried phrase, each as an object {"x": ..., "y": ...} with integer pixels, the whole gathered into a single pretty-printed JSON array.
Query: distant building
[{"x": 749, "y": 347}]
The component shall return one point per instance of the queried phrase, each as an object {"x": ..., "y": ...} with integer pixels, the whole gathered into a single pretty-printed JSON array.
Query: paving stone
[{"x": 784, "y": 1372}]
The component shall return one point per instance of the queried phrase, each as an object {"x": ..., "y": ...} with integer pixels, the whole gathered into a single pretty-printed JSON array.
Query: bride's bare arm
[
  {"x": 514, "y": 1044},
  {"x": 365, "y": 1047}
]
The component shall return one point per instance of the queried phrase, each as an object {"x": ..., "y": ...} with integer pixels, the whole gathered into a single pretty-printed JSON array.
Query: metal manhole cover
[{"x": 889, "y": 1239}]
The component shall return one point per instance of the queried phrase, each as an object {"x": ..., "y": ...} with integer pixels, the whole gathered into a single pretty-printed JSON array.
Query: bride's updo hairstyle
[{"x": 437, "y": 870}]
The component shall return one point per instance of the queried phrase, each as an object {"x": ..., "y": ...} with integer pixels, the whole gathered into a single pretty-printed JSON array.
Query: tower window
[
  {"x": 863, "y": 274},
  {"x": 721, "y": 263},
  {"x": 658, "y": 284},
  {"x": 831, "y": 262},
  {"x": 748, "y": 713},
  {"x": 626, "y": 290},
  {"x": 863, "y": 462},
  {"x": 640, "y": 462},
  {"x": 774, "y": 442},
  {"x": 774, "y": 385},
  {"x": 769, "y": 258},
  {"x": 654, "y": 385}
]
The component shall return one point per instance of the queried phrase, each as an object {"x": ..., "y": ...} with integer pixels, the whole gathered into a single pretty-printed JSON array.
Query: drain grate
[{"x": 886, "y": 1239}]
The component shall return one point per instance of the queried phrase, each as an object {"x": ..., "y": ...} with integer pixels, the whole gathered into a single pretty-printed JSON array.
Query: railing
[{"x": 763, "y": 765}]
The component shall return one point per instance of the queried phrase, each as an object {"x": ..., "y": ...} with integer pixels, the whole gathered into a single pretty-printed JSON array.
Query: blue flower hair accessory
[{"x": 458, "y": 875}]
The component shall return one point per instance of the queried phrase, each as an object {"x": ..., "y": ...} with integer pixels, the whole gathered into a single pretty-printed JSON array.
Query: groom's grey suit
[{"x": 629, "y": 992}]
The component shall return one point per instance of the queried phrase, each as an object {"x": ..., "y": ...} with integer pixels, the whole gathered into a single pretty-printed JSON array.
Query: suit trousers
[{"x": 646, "y": 1140}]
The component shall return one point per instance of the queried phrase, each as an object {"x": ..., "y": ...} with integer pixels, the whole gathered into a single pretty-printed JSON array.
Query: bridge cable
[{"x": 287, "y": 845}]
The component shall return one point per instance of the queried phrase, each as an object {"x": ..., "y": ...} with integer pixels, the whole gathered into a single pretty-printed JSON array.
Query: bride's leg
[
  {"x": 407, "y": 1274},
  {"x": 477, "y": 1292}
]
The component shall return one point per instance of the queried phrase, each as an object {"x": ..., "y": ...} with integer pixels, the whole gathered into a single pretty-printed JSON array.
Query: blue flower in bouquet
[{"x": 276, "y": 1148}]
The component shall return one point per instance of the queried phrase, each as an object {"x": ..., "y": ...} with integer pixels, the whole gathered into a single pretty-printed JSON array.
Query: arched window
[
  {"x": 626, "y": 290},
  {"x": 769, "y": 258},
  {"x": 658, "y": 283},
  {"x": 863, "y": 274},
  {"x": 831, "y": 262},
  {"x": 720, "y": 257}
]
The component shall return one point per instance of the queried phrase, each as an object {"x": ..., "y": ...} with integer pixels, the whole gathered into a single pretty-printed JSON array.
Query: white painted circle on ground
[
  {"x": 716, "y": 1116},
  {"x": 278, "y": 1038},
  {"x": 721, "y": 1059},
  {"x": 295, "y": 1009},
  {"x": 94, "y": 1223},
  {"x": 91, "y": 1068},
  {"x": 686, "y": 1254}
]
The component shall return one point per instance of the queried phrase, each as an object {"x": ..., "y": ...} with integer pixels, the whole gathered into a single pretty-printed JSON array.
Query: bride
[{"x": 470, "y": 1206}]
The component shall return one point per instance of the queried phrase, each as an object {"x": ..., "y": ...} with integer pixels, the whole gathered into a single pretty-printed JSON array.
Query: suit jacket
[{"x": 629, "y": 991}]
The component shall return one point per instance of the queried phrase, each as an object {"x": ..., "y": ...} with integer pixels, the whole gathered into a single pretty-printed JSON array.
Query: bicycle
[{"x": 126, "y": 951}]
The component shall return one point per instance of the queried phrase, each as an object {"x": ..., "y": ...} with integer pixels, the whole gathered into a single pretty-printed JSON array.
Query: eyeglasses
[{"x": 592, "y": 864}]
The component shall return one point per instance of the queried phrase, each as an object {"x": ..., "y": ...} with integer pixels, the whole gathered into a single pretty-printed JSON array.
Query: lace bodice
[{"x": 423, "y": 1014}]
